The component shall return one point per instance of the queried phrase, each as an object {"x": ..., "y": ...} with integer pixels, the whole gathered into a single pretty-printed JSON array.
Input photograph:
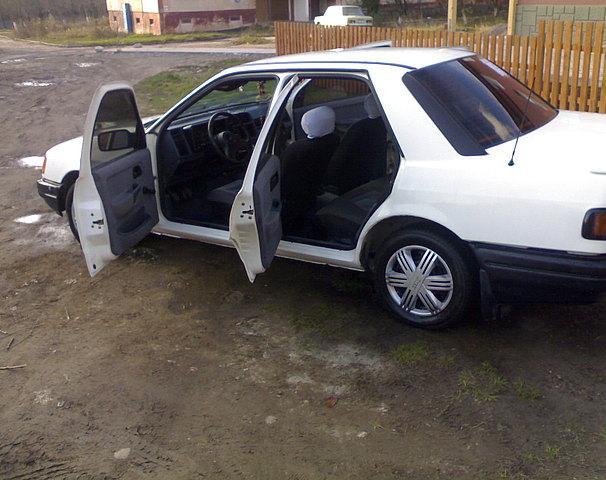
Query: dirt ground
[{"x": 169, "y": 364}]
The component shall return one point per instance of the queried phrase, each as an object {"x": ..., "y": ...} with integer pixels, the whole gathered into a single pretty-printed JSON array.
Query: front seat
[
  {"x": 304, "y": 164},
  {"x": 362, "y": 154}
]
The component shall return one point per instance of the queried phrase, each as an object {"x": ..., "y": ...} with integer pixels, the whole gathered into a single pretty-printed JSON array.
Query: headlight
[{"x": 594, "y": 224}]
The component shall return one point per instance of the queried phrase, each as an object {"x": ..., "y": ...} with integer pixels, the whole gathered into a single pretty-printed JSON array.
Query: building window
[
  {"x": 115, "y": 19},
  {"x": 235, "y": 19},
  {"x": 186, "y": 20},
  {"x": 151, "y": 22},
  {"x": 138, "y": 20}
]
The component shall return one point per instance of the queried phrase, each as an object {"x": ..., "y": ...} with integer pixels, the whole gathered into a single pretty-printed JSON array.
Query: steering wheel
[{"x": 233, "y": 144}]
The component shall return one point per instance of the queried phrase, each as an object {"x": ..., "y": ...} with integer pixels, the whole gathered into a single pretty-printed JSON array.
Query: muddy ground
[{"x": 169, "y": 364}]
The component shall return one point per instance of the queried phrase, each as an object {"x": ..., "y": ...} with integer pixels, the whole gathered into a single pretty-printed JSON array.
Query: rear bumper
[
  {"x": 533, "y": 275},
  {"x": 50, "y": 192}
]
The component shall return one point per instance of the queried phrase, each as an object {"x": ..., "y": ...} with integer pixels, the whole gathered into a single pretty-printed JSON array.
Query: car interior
[{"x": 337, "y": 161}]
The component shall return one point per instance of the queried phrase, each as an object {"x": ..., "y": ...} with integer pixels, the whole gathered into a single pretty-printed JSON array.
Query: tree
[{"x": 370, "y": 6}]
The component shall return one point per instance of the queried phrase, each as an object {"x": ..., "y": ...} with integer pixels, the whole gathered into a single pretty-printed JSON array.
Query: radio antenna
[{"x": 530, "y": 92}]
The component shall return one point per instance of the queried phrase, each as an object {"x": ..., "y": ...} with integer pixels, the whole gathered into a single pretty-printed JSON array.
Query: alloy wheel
[{"x": 419, "y": 281}]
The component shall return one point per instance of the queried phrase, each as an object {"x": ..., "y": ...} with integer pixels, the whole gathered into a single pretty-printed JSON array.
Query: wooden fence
[{"x": 564, "y": 62}]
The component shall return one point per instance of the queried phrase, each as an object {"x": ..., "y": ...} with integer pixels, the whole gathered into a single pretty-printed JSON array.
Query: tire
[
  {"x": 69, "y": 203},
  {"x": 444, "y": 283}
]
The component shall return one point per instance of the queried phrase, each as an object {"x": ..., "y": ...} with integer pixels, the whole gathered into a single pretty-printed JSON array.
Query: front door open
[
  {"x": 114, "y": 199},
  {"x": 255, "y": 225}
]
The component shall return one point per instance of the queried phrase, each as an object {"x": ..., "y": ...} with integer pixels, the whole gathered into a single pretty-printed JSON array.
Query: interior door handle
[
  {"x": 135, "y": 191},
  {"x": 137, "y": 171}
]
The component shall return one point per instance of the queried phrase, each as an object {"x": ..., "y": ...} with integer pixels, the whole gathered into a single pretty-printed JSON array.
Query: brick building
[
  {"x": 179, "y": 16},
  {"x": 529, "y": 12}
]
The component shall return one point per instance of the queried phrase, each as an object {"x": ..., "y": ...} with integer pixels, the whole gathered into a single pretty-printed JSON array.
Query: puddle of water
[
  {"x": 13, "y": 60},
  {"x": 29, "y": 219},
  {"x": 86, "y": 65},
  {"x": 34, "y": 83},
  {"x": 51, "y": 233},
  {"x": 35, "y": 162}
]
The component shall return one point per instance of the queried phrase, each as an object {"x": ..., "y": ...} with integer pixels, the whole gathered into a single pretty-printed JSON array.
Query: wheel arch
[
  {"x": 392, "y": 225},
  {"x": 68, "y": 180}
]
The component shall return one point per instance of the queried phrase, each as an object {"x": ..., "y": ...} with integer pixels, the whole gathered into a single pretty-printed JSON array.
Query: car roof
[{"x": 411, "y": 58}]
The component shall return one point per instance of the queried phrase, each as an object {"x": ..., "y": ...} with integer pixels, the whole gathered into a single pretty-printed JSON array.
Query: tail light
[
  {"x": 44, "y": 165},
  {"x": 594, "y": 224}
]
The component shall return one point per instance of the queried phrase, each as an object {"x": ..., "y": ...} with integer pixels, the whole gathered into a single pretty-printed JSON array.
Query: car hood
[{"x": 571, "y": 140}]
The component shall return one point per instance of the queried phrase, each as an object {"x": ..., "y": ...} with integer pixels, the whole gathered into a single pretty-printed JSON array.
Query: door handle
[
  {"x": 137, "y": 171},
  {"x": 135, "y": 191}
]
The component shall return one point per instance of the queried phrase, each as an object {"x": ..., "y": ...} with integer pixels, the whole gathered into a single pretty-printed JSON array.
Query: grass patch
[
  {"x": 156, "y": 94},
  {"x": 247, "y": 39},
  {"x": 551, "y": 452},
  {"x": 411, "y": 353},
  {"x": 95, "y": 32},
  {"x": 483, "y": 383},
  {"x": 526, "y": 391},
  {"x": 322, "y": 319}
]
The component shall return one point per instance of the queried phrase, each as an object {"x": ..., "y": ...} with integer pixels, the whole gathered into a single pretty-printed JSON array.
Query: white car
[
  {"x": 343, "y": 16},
  {"x": 432, "y": 169}
]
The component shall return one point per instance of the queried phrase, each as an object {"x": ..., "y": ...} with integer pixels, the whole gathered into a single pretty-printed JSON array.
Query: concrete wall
[
  {"x": 185, "y": 22},
  {"x": 174, "y": 6},
  {"x": 182, "y": 16},
  {"x": 149, "y": 6},
  {"x": 530, "y": 12}
]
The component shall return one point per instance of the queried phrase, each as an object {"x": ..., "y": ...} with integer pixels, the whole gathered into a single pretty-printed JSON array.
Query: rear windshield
[{"x": 476, "y": 104}]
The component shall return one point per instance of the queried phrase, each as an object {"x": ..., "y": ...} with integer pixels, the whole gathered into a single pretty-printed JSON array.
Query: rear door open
[{"x": 255, "y": 224}]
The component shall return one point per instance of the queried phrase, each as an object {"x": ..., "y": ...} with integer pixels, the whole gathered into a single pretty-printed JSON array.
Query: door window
[
  {"x": 321, "y": 90},
  {"x": 117, "y": 130}
]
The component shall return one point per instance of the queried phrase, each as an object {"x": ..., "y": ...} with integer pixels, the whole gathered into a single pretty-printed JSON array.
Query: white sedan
[
  {"x": 432, "y": 169},
  {"x": 343, "y": 16}
]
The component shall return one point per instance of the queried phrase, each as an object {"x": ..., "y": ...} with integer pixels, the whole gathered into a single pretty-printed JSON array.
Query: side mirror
[{"x": 116, "y": 140}]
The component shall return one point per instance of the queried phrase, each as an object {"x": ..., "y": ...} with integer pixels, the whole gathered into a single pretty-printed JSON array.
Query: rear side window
[
  {"x": 476, "y": 104},
  {"x": 321, "y": 90}
]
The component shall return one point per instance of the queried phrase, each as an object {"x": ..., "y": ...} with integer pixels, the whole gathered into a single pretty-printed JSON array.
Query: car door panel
[
  {"x": 125, "y": 186},
  {"x": 268, "y": 208}
]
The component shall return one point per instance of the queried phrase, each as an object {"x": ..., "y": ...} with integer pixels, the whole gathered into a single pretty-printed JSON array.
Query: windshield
[
  {"x": 234, "y": 92},
  {"x": 478, "y": 101},
  {"x": 352, "y": 11}
]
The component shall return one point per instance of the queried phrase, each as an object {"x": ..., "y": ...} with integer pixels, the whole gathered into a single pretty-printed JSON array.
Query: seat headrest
[{"x": 318, "y": 122}]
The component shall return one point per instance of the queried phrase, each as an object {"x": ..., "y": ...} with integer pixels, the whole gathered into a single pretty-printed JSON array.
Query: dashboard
[{"x": 186, "y": 151}]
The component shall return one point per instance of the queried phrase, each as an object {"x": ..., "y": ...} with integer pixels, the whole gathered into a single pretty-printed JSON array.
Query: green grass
[
  {"x": 483, "y": 383},
  {"x": 247, "y": 39},
  {"x": 130, "y": 39},
  {"x": 156, "y": 94},
  {"x": 411, "y": 353},
  {"x": 95, "y": 32},
  {"x": 551, "y": 452},
  {"x": 324, "y": 320},
  {"x": 89, "y": 39},
  {"x": 526, "y": 391}
]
